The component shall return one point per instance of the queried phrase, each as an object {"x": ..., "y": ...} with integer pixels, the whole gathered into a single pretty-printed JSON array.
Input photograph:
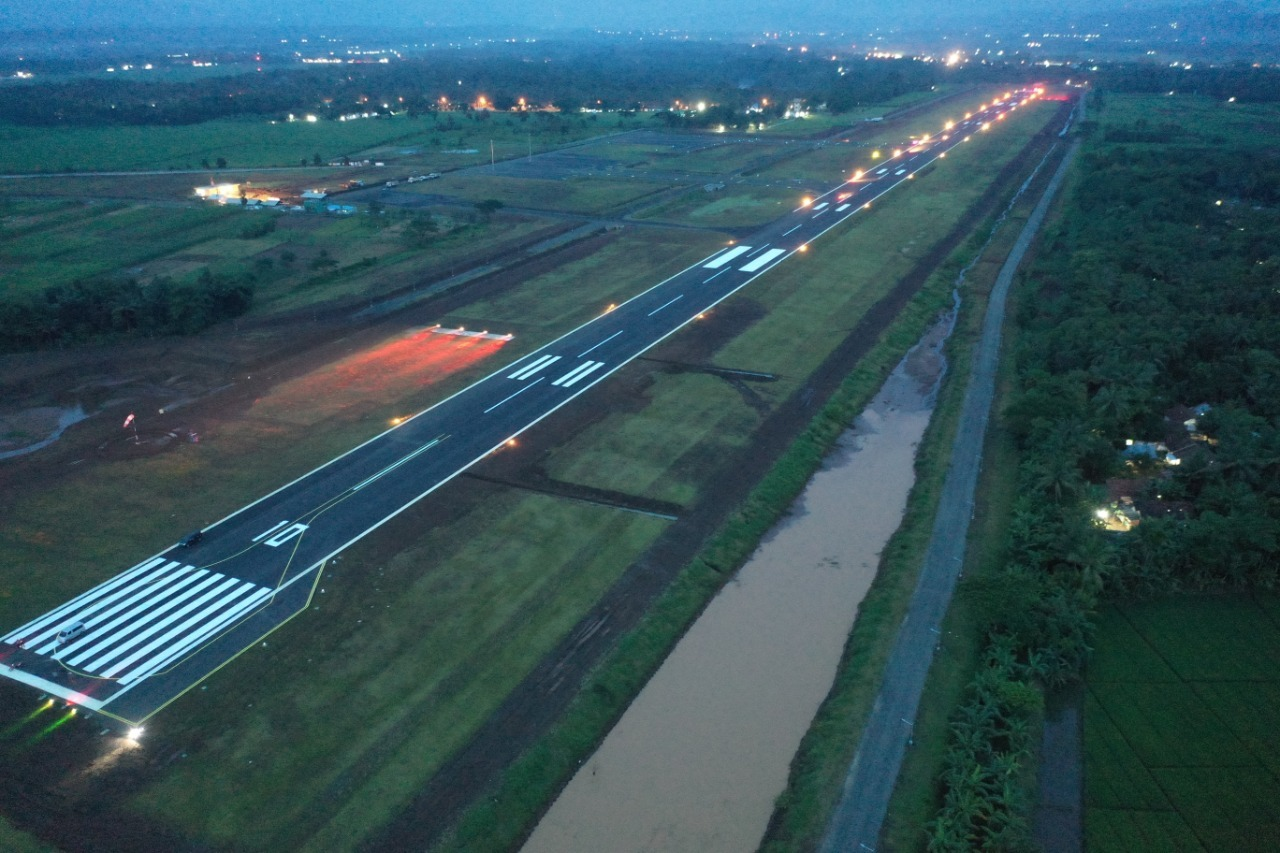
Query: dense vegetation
[
  {"x": 114, "y": 307},
  {"x": 1160, "y": 286}
]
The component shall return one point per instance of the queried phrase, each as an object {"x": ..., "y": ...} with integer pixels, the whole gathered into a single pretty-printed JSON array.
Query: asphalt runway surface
[{"x": 158, "y": 629}]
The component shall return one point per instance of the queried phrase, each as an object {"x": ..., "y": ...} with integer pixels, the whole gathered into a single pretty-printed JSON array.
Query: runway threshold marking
[
  {"x": 517, "y": 394},
  {"x": 20, "y": 637},
  {"x": 842, "y": 208},
  {"x": 820, "y": 206},
  {"x": 725, "y": 257},
  {"x": 606, "y": 340},
  {"x": 123, "y": 617},
  {"x": 665, "y": 304},
  {"x": 530, "y": 369},
  {"x": 763, "y": 260},
  {"x": 578, "y": 373}
]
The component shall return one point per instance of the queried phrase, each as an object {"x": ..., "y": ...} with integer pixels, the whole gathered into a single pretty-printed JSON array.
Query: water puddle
[{"x": 698, "y": 759}]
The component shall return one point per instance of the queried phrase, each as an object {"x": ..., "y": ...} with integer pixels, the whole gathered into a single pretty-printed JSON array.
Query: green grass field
[
  {"x": 55, "y": 242},
  {"x": 1190, "y": 120},
  {"x": 734, "y": 207},
  {"x": 578, "y": 195},
  {"x": 1182, "y": 727}
]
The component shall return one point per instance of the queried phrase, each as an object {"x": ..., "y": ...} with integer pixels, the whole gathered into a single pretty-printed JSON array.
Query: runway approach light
[
  {"x": 135, "y": 734},
  {"x": 806, "y": 201},
  {"x": 943, "y": 154},
  {"x": 511, "y": 442},
  {"x": 949, "y": 125},
  {"x": 875, "y": 155},
  {"x": 897, "y": 152},
  {"x": 611, "y": 307},
  {"x": 804, "y": 247},
  {"x": 397, "y": 421},
  {"x": 857, "y": 174}
]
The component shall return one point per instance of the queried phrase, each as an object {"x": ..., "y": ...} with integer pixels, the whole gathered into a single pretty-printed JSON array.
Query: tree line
[
  {"x": 106, "y": 308},
  {"x": 570, "y": 77}
]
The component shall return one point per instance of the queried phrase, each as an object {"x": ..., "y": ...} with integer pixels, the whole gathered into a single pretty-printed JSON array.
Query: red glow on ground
[{"x": 377, "y": 376}]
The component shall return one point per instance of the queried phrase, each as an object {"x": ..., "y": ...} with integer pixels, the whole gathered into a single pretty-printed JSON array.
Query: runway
[{"x": 159, "y": 628}]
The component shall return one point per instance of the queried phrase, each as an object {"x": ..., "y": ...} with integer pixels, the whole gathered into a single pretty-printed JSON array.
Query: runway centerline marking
[
  {"x": 606, "y": 340},
  {"x": 785, "y": 233},
  {"x": 722, "y": 272},
  {"x": 394, "y": 465},
  {"x": 665, "y": 304},
  {"x": 517, "y": 394},
  {"x": 761, "y": 249}
]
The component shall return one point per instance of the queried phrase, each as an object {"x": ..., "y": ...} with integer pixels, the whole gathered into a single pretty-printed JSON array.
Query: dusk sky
[{"x": 735, "y": 15}]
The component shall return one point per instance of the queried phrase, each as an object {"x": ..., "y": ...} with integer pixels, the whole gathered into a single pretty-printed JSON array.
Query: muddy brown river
[{"x": 698, "y": 759}]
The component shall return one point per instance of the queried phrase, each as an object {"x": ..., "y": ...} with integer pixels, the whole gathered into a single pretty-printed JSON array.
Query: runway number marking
[
  {"x": 291, "y": 532},
  {"x": 264, "y": 534}
]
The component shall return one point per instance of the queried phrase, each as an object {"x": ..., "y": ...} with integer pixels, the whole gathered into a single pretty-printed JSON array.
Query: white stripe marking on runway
[
  {"x": 820, "y": 206},
  {"x": 566, "y": 382},
  {"x": 93, "y": 607},
  {"x": 517, "y": 394},
  {"x": 154, "y": 613},
  {"x": 605, "y": 341},
  {"x": 530, "y": 369},
  {"x": 196, "y": 638},
  {"x": 722, "y": 272},
  {"x": 763, "y": 259},
  {"x": 726, "y": 257},
  {"x": 785, "y": 233},
  {"x": 665, "y": 304},
  {"x": 219, "y": 602},
  {"x": 150, "y": 598},
  {"x": 53, "y": 615},
  {"x": 227, "y": 583},
  {"x": 842, "y": 208},
  {"x": 384, "y": 472},
  {"x": 568, "y": 377},
  {"x": 264, "y": 534}
]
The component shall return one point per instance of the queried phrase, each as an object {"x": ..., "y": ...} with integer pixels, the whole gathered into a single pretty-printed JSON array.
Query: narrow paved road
[{"x": 874, "y": 771}]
